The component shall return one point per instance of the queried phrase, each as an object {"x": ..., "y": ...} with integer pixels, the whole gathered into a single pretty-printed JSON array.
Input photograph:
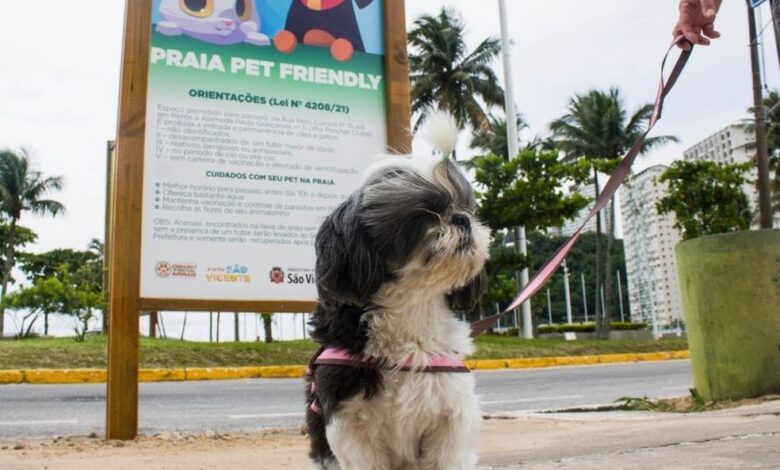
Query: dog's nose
[{"x": 462, "y": 221}]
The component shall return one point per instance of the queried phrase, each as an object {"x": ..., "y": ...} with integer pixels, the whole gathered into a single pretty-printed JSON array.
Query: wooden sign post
[{"x": 130, "y": 197}]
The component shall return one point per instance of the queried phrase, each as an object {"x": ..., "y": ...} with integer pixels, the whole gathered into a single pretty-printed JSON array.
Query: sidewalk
[{"x": 745, "y": 437}]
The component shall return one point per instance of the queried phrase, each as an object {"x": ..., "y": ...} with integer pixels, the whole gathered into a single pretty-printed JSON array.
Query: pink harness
[{"x": 339, "y": 357}]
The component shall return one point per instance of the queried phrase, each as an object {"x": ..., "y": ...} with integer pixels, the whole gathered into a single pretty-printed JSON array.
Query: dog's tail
[{"x": 442, "y": 132}]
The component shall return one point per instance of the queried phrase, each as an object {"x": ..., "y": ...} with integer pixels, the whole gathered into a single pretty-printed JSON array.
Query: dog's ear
[
  {"x": 467, "y": 298},
  {"x": 349, "y": 269}
]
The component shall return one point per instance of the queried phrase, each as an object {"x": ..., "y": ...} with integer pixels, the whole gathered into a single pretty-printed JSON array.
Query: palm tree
[
  {"x": 22, "y": 189},
  {"x": 493, "y": 138},
  {"x": 772, "y": 110},
  {"x": 444, "y": 75},
  {"x": 267, "y": 326},
  {"x": 598, "y": 128}
]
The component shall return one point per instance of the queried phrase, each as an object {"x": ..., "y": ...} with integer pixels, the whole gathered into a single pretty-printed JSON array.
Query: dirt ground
[
  {"x": 172, "y": 451},
  {"x": 746, "y": 436}
]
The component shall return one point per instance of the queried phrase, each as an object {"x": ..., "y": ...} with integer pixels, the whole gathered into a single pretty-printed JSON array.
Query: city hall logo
[
  {"x": 277, "y": 275},
  {"x": 233, "y": 273},
  {"x": 163, "y": 269}
]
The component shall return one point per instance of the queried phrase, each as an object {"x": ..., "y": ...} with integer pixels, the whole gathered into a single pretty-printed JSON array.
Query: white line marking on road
[
  {"x": 40, "y": 423},
  {"x": 528, "y": 400},
  {"x": 268, "y": 415}
]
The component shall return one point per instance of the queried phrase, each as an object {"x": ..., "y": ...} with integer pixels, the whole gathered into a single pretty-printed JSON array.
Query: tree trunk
[
  {"x": 267, "y": 318},
  {"x": 85, "y": 323},
  {"x": 153, "y": 320},
  {"x": 45, "y": 323},
  {"x": 7, "y": 266},
  {"x": 606, "y": 320},
  {"x": 184, "y": 326},
  {"x": 598, "y": 314},
  {"x": 25, "y": 332}
]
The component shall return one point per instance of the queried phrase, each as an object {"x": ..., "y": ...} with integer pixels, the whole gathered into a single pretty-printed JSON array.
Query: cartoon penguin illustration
[{"x": 323, "y": 23}]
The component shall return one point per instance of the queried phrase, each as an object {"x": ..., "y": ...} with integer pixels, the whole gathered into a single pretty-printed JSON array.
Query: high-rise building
[
  {"x": 589, "y": 191},
  {"x": 649, "y": 240},
  {"x": 734, "y": 144}
]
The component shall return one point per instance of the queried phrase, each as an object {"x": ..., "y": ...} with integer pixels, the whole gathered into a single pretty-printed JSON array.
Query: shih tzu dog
[{"x": 395, "y": 262}]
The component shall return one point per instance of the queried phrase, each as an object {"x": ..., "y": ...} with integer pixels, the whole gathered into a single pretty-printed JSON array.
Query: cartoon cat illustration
[{"x": 214, "y": 21}]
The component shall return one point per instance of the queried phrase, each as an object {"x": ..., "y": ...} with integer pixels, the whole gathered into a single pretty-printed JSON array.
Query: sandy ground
[
  {"x": 743, "y": 437},
  {"x": 171, "y": 451}
]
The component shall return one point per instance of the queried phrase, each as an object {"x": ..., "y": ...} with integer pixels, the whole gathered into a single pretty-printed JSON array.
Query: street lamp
[{"x": 512, "y": 144}]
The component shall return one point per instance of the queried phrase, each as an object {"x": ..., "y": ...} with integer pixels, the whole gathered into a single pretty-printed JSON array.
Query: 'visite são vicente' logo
[{"x": 234, "y": 273}]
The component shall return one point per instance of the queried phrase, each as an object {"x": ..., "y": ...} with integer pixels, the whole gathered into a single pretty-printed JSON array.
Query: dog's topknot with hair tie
[{"x": 442, "y": 132}]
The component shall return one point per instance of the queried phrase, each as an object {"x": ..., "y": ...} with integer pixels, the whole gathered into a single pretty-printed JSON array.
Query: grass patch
[
  {"x": 64, "y": 353},
  {"x": 693, "y": 403},
  {"x": 503, "y": 347}
]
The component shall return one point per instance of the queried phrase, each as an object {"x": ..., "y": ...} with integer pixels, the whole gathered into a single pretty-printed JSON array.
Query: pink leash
[{"x": 615, "y": 181}]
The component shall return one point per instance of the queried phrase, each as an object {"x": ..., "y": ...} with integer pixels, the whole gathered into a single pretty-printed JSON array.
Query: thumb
[{"x": 709, "y": 8}]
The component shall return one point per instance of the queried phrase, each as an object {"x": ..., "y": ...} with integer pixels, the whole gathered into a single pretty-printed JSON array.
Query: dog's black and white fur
[{"x": 394, "y": 263}]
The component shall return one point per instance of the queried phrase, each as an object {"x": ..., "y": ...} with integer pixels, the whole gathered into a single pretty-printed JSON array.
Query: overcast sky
[{"x": 61, "y": 60}]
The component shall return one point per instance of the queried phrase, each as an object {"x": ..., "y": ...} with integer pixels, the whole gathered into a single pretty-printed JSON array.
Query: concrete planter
[{"x": 730, "y": 288}]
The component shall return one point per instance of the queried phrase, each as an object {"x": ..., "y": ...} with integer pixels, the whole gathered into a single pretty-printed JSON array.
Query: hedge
[{"x": 582, "y": 328}]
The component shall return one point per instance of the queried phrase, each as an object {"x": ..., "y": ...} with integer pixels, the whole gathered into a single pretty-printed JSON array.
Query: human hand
[{"x": 697, "y": 22}]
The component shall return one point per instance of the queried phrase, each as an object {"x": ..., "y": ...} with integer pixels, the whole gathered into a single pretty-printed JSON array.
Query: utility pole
[
  {"x": 567, "y": 292},
  {"x": 620, "y": 298},
  {"x": 549, "y": 308},
  {"x": 584, "y": 297},
  {"x": 521, "y": 243},
  {"x": 762, "y": 155},
  {"x": 775, "y": 7}
]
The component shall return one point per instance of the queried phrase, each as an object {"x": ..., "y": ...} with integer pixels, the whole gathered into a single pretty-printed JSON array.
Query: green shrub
[{"x": 627, "y": 326}]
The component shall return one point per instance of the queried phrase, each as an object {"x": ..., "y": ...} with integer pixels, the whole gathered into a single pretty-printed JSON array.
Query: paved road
[{"x": 246, "y": 405}]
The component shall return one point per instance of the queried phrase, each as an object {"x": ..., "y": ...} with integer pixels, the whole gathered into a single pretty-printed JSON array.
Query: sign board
[
  {"x": 241, "y": 124},
  {"x": 253, "y": 136}
]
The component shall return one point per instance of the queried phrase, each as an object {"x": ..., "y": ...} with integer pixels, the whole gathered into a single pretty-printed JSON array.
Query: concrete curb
[{"x": 81, "y": 376}]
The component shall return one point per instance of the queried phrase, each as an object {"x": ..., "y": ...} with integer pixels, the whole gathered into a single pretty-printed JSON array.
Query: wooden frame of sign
[{"x": 125, "y": 302}]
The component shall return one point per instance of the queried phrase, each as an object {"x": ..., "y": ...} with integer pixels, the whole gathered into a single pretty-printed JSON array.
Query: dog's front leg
[
  {"x": 356, "y": 445},
  {"x": 451, "y": 444}
]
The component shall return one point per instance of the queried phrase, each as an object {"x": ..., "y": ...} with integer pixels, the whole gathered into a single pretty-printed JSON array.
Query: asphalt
[{"x": 30, "y": 411}]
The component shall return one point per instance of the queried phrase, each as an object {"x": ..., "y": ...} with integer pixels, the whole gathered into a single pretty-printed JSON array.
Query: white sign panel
[{"x": 261, "y": 116}]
